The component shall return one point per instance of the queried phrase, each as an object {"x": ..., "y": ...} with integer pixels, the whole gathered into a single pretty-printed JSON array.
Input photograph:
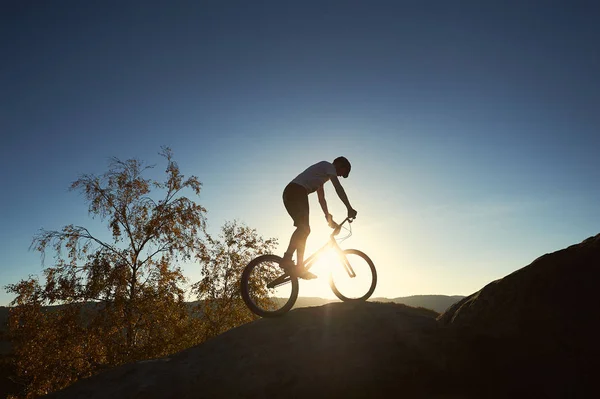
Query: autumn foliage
[
  {"x": 223, "y": 262},
  {"x": 109, "y": 301}
]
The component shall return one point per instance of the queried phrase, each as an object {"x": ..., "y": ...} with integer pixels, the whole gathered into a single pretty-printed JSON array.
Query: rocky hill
[
  {"x": 535, "y": 330},
  {"x": 531, "y": 334}
]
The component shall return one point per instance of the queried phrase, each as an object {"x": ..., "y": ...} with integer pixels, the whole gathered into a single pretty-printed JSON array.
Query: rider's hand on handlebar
[
  {"x": 351, "y": 213},
  {"x": 330, "y": 221}
]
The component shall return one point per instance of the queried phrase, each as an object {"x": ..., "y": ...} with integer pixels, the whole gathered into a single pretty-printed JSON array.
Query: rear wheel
[
  {"x": 266, "y": 289},
  {"x": 356, "y": 282}
]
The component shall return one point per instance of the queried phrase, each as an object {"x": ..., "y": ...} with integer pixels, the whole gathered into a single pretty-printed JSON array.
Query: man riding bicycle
[{"x": 295, "y": 199}]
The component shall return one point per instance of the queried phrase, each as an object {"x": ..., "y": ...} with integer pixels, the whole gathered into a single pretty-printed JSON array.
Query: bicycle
[{"x": 269, "y": 293}]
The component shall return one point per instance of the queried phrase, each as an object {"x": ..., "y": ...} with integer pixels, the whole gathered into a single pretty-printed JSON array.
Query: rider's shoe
[
  {"x": 305, "y": 274},
  {"x": 296, "y": 271},
  {"x": 287, "y": 265}
]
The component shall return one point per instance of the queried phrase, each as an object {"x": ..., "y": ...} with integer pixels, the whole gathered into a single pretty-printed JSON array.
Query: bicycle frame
[{"x": 310, "y": 261}]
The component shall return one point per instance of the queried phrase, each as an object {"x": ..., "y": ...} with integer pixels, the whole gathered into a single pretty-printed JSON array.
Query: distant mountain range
[{"x": 438, "y": 303}]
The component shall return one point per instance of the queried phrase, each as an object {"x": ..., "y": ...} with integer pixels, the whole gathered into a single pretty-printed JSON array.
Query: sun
[
  {"x": 351, "y": 275},
  {"x": 326, "y": 261}
]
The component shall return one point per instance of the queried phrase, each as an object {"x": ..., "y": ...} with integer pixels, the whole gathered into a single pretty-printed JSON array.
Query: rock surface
[
  {"x": 551, "y": 295},
  {"x": 349, "y": 349},
  {"x": 534, "y": 331}
]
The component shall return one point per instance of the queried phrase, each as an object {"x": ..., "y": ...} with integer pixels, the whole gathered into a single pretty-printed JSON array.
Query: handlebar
[{"x": 337, "y": 230}]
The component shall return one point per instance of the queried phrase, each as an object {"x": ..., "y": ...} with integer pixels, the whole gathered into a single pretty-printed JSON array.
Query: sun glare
[
  {"x": 326, "y": 261},
  {"x": 352, "y": 282}
]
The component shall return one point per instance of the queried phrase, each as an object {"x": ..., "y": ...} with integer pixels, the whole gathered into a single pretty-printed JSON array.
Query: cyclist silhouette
[{"x": 295, "y": 199}]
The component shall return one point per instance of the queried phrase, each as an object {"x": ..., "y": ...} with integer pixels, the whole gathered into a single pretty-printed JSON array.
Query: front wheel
[
  {"x": 266, "y": 289},
  {"x": 354, "y": 278}
]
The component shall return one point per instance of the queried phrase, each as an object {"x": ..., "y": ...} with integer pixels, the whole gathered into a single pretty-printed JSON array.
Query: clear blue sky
[{"x": 472, "y": 126}]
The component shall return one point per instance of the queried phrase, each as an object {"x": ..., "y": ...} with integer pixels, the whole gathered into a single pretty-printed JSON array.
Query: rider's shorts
[{"x": 295, "y": 199}]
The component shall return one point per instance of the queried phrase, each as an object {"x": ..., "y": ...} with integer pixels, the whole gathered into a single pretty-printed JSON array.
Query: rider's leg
[
  {"x": 297, "y": 243},
  {"x": 301, "y": 243},
  {"x": 299, "y": 239},
  {"x": 295, "y": 199},
  {"x": 296, "y": 235}
]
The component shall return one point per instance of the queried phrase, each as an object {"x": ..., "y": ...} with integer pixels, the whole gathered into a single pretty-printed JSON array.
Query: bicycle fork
[{"x": 344, "y": 261}]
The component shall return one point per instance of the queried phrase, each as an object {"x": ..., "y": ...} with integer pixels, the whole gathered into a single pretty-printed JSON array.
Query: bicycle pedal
[{"x": 308, "y": 276}]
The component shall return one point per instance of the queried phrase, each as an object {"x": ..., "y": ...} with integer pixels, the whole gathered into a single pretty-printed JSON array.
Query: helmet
[{"x": 343, "y": 162}]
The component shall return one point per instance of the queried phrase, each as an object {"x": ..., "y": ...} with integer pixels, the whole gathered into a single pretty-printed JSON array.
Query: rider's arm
[
  {"x": 321, "y": 196},
  {"x": 340, "y": 191}
]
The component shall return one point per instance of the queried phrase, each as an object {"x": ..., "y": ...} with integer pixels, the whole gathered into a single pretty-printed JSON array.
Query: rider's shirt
[{"x": 315, "y": 176}]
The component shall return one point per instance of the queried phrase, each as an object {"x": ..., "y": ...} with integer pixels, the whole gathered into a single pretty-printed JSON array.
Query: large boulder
[
  {"x": 555, "y": 294},
  {"x": 533, "y": 332}
]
